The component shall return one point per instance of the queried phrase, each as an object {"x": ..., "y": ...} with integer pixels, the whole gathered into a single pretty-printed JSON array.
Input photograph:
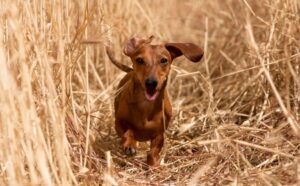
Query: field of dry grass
[{"x": 236, "y": 114}]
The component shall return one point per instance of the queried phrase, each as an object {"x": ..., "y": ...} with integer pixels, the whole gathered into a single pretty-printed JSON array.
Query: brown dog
[{"x": 142, "y": 106}]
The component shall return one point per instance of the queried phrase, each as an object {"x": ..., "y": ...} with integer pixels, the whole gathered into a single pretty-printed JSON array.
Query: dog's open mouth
[{"x": 151, "y": 94}]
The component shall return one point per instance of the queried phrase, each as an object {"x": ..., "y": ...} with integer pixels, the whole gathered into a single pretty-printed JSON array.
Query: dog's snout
[{"x": 151, "y": 83}]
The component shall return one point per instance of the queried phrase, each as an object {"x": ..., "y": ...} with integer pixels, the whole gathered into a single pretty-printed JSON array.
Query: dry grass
[{"x": 236, "y": 115}]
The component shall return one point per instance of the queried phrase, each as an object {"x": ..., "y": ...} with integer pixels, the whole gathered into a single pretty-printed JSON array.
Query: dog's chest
[
  {"x": 146, "y": 116},
  {"x": 145, "y": 129}
]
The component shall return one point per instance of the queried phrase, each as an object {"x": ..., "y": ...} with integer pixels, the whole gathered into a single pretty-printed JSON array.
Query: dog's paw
[
  {"x": 130, "y": 151},
  {"x": 152, "y": 160}
]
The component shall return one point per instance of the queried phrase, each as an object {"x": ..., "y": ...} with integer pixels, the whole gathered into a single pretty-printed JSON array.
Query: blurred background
[{"x": 235, "y": 114}]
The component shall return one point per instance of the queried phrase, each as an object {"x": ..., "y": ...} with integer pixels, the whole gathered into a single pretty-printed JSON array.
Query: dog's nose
[{"x": 151, "y": 83}]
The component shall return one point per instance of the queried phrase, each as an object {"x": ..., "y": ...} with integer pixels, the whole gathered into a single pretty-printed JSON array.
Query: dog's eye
[
  {"x": 139, "y": 61},
  {"x": 163, "y": 61}
]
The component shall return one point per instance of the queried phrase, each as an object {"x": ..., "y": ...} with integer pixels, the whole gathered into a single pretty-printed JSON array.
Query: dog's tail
[
  {"x": 115, "y": 62},
  {"x": 110, "y": 56}
]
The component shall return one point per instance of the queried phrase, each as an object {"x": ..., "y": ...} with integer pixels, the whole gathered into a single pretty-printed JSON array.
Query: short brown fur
[{"x": 137, "y": 116}]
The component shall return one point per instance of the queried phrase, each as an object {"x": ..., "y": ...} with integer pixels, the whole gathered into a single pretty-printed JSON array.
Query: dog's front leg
[
  {"x": 127, "y": 135},
  {"x": 155, "y": 148},
  {"x": 129, "y": 143}
]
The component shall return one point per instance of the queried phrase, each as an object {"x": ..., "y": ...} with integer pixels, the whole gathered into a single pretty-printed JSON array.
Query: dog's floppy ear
[
  {"x": 134, "y": 44},
  {"x": 189, "y": 50}
]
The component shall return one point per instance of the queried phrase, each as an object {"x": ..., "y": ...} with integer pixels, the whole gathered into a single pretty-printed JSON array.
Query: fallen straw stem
[{"x": 263, "y": 148}]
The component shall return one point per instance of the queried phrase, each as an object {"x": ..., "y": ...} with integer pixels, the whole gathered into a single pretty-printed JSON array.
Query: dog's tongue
[{"x": 151, "y": 95}]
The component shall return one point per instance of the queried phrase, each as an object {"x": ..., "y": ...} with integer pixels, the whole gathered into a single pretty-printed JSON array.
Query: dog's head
[{"x": 152, "y": 63}]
